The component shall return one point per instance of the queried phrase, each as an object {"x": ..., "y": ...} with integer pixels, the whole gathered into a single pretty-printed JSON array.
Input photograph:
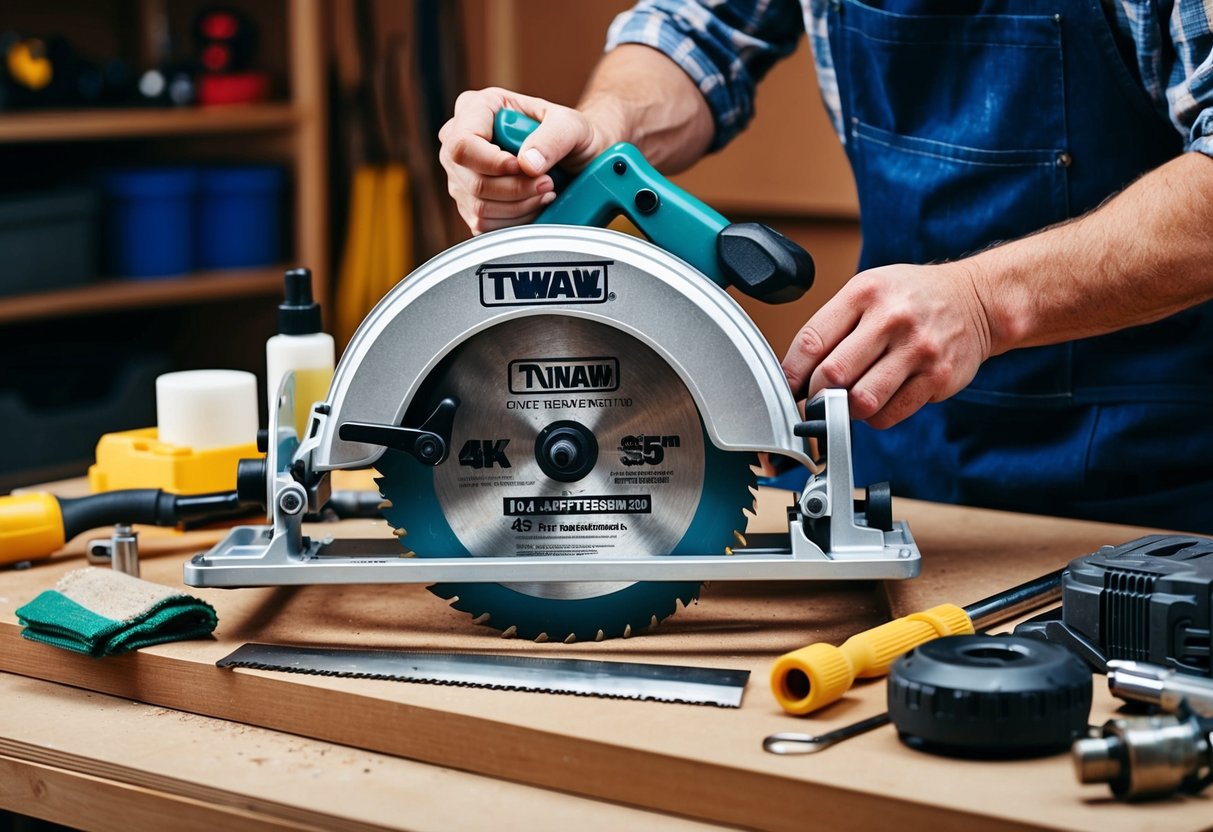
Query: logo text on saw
[
  {"x": 524, "y": 284},
  {"x": 546, "y": 375}
]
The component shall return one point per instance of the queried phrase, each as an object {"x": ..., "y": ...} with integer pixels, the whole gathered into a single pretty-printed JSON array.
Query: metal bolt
[
  {"x": 428, "y": 450},
  {"x": 290, "y": 502},
  {"x": 815, "y": 505},
  {"x": 124, "y": 550}
]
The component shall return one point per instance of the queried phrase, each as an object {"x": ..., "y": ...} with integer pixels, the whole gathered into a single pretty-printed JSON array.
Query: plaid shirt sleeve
[
  {"x": 725, "y": 46},
  {"x": 1189, "y": 88},
  {"x": 1173, "y": 43}
]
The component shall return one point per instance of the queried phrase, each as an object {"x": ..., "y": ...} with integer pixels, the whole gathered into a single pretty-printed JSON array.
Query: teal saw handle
[{"x": 757, "y": 260}]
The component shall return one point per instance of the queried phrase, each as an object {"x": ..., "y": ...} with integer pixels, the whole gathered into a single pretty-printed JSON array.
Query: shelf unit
[
  {"x": 120, "y": 295},
  {"x": 137, "y": 123},
  {"x": 295, "y": 128},
  {"x": 205, "y": 318}
]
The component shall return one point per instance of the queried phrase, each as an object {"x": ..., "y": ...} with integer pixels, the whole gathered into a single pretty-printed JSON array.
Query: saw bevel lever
[{"x": 430, "y": 443}]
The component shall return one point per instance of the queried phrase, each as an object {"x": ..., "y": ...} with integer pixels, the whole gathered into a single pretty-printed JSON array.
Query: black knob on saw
[
  {"x": 989, "y": 696},
  {"x": 877, "y": 506},
  {"x": 252, "y": 481},
  {"x": 566, "y": 451},
  {"x": 763, "y": 263},
  {"x": 428, "y": 443}
]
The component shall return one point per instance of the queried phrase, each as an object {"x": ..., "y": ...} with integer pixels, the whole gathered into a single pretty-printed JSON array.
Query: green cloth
[{"x": 102, "y": 612}]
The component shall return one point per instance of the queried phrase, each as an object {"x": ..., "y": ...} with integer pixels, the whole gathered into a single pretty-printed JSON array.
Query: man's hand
[
  {"x": 636, "y": 95},
  {"x": 492, "y": 187},
  {"x": 900, "y": 336},
  {"x": 896, "y": 337}
]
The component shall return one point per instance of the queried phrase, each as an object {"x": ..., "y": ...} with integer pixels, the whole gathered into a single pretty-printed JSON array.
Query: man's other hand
[{"x": 896, "y": 337}]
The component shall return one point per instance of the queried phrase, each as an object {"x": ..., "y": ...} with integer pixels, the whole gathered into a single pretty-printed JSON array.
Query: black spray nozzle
[{"x": 298, "y": 314}]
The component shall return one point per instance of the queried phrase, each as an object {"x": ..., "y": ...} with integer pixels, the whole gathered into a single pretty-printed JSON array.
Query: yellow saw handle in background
[
  {"x": 397, "y": 213},
  {"x": 353, "y": 283},
  {"x": 811, "y": 677},
  {"x": 814, "y": 676},
  {"x": 31, "y": 527}
]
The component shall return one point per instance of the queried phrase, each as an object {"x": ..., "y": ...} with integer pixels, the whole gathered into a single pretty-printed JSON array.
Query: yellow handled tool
[
  {"x": 36, "y": 525},
  {"x": 814, "y": 676}
]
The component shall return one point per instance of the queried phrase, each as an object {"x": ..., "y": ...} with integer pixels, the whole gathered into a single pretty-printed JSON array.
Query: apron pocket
[{"x": 975, "y": 195}]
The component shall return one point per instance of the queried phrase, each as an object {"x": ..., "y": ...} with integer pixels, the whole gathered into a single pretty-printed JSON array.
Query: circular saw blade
[{"x": 655, "y": 484}]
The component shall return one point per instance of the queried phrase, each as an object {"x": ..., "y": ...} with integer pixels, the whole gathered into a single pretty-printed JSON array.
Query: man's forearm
[
  {"x": 638, "y": 95},
  {"x": 1140, "y": 257}
]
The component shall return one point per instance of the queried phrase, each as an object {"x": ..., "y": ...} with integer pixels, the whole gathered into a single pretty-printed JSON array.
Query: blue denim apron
[{"x": 984, "y": 121}]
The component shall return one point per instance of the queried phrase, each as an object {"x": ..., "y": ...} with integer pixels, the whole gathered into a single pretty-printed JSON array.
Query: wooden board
[
  {"x": 98, "y": 762},
  {"x": 693, "y": 761}
]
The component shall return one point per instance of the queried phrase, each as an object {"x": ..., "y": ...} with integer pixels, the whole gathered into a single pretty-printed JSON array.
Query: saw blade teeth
[
  {"x": 740, "y": 538},
  {"x": 384, "y": 505},
  {"x": 627, "y": 631},
  {"x": 653, "y": 622},
  {"x": 728, "y": 550},
  {"x": 400, "y": 532},
  {"x": 483, "y": 618},
  {"x": 509, "y": 632},
  {"x": 600, "y": 636},
  {"x": 541, "y": 638},
  {"x": 570, "y": 638}
]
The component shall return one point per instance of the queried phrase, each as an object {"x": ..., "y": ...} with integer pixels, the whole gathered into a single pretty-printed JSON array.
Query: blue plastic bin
[
  {"x": 239, "y": 215},
  {"x": 149, "y": 221}
]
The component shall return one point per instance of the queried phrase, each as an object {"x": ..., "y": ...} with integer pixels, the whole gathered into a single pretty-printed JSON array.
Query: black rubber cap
[
  {"x": 763, "y": 263},
  {"x": 252, "y": 483},
  {"x": 298, "y": 314},
  {"x": 878, "y": 506},
  {"x": 990, "y": 697}
]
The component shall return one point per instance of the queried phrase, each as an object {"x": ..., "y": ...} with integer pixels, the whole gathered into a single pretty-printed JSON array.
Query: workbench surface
[{"x": 211, "y": 748}]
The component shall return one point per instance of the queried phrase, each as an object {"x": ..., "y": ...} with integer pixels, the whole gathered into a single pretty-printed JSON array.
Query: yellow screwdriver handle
[
  {"x": 811, "y": 677},
  {"x": 31, "y": 527}
]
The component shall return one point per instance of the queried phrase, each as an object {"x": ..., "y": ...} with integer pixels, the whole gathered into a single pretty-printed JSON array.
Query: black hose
[{"x": 149, "y": 506}]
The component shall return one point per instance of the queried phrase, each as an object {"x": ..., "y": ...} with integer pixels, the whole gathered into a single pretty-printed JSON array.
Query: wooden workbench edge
[{"x": 581, "y": 766}]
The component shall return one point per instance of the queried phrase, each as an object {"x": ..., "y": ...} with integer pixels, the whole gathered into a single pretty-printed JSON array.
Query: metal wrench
[{"x": 795, "y": 743}]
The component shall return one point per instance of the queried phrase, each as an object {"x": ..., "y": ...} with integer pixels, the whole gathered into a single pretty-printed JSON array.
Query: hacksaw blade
[{"x": 582, "y": 677}]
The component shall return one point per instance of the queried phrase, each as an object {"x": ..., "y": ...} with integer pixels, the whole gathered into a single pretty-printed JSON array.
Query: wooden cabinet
[{"x": 204, "y": 319}]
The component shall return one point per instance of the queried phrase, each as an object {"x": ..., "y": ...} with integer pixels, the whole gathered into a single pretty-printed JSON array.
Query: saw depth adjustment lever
[{"x": 757, "y": 260}]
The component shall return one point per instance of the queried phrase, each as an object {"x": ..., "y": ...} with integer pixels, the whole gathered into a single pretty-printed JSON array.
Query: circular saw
[
  {"x": 628, "y": 464},
  {"x": 565, "y": 421}
]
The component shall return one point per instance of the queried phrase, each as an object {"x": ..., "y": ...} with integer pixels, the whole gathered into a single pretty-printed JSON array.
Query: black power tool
[{"x": 1148, "y": 600}]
